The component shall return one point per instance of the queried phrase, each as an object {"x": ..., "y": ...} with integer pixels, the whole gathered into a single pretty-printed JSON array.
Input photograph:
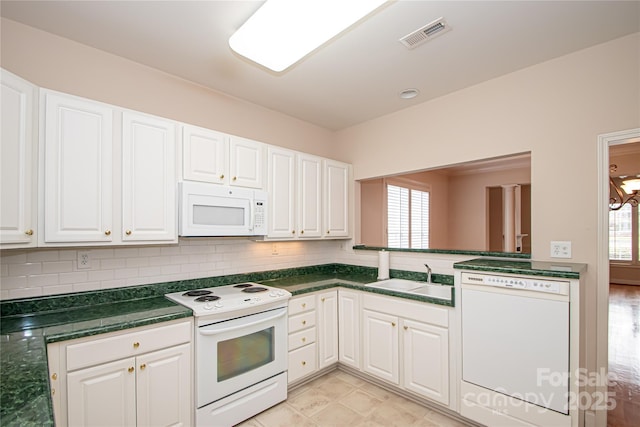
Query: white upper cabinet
[
  {"x": 109, "y": 175},
  {"x": 282, "y": 198},
  {"x": 18, "y": 157},
  {"x": 204, "y": 154},
  {"x": 218, "y": 158},
  {"x": 148, "y": 178},
  {"x": 246, "y": 162},
  {"x": 337, "y": 179},
  {"x": 78, "y": 167},
  {"x": 308, "y": 196}
]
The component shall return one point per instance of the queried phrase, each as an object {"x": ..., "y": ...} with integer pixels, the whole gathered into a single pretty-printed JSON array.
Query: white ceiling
[{"x": 356, "y": 76}]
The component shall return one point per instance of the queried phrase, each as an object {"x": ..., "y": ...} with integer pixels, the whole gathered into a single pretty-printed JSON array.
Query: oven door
[{"x": 238, "y": 353}]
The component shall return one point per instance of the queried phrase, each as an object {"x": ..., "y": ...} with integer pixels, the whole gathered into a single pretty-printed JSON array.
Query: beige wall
[
  {"x": 60, "y": 64},
  {"x": 555, "y": 110}
]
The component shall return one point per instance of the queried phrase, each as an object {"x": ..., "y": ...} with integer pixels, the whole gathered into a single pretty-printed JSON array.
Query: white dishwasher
[{"x": 515, "y": 347}]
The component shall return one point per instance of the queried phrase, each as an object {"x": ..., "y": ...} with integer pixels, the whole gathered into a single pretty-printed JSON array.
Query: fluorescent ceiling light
[{"x": 282, "y": 32}]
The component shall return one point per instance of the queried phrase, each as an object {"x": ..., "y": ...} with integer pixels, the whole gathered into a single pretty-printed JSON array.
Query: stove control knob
[
  {"x": 272, "y": 294},
  {"x": 208, "y": 306},
  {"x": 219, "y": 304},
  {"x": 280, "y": 292}
]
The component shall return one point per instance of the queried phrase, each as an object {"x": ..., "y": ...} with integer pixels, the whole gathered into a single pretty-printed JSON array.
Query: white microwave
[{"x": 213, "y": 210}]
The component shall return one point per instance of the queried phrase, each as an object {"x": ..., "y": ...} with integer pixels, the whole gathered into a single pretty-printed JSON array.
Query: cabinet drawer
[
  {"x": 302, "y": 362},
  {"x": 300, "y": 304},
  {"x": 302, "y": 321},
  {"x": 304, "y": 337},
  {"x": 116, "y": 347}
]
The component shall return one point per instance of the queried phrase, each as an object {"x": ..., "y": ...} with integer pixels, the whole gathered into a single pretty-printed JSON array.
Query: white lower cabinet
[
  {"x": 141, "y": 377},
  {"x": 303, "y": 352},
  {"x": 349, "y": 327},
  {"x": 327, "y": 303},
  {"x": 407, "y": 344}
]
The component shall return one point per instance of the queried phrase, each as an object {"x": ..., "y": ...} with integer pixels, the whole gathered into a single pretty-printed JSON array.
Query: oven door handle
[{"x": 245, "y": 325}]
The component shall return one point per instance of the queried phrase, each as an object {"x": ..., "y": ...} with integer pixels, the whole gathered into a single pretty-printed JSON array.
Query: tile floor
[{"x": 340, "y": 399}]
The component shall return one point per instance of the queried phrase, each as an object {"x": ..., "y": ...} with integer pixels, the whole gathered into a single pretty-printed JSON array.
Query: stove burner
[
  {"x": 207, "y": 298},
  {"x": 196, "y": 293},
  {"x": 254, "y": 289},
  {"x": 243, "y": 285}
]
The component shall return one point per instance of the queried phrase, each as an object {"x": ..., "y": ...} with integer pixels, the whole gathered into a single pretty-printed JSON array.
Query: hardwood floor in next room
[
  {"x": 339, "y": 399},
  {"x": 624, "y": 355}
]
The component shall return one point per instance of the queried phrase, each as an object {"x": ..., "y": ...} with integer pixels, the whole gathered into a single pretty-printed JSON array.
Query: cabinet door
[
  {"x": 17, "y": 156},
  {"x": 246, "y": 163},
  {"x": 309, "y": 196},
  {"x": 78, "y": 168},
  {"x": 103, "y": 395},
  {"x": 281, "y": 193},
  {"x": 204, "y": 155},
  {"x": 148, "y": 178},
  {"x": 349, "y": 328},
  {"x": 328, "y": 328},
  {"x": 336, "y": 199},
  {"x": 164, "y": 387},
  {"x": 380, "y": 345},
  {"x": 426, "y": 360}
]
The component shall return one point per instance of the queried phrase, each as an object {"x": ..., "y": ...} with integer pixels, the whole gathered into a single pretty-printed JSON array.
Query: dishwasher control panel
[{"x": 517, "y": 282}]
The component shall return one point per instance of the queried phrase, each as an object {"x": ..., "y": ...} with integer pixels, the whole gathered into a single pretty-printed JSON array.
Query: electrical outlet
[
  {"x": 560, "y": 249},
  {"x": 84, "y": 260},
  {"x": 274, "y": 249}
]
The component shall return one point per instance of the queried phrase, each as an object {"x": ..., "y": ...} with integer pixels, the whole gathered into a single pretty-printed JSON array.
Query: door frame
[{"x": 602, "y": 277}]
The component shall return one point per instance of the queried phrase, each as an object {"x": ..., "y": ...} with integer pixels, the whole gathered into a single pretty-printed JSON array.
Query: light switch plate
[{"x": 560, "y": 249}]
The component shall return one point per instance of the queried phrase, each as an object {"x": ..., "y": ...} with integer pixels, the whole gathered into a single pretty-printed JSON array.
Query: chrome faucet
[{"x": 428, "y": 273}]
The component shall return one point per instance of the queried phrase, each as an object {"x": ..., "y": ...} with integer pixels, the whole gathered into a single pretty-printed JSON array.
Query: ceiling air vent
[{"x": 426, "y": 33}]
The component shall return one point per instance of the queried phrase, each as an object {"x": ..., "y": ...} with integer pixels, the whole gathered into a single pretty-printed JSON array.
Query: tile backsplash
[{"x": 35, "y": 272}]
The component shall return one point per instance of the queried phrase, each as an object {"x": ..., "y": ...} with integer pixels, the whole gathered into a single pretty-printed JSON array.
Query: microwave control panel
[{"x": 259, "y": 220}]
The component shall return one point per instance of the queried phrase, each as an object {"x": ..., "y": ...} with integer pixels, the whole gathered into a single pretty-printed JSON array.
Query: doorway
[{"x": 605, "y": 142}]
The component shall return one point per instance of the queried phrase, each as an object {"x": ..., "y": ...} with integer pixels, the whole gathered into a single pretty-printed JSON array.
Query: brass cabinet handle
[
  {"x": 143, "y": 366},
  {"x": 328, "y": 231},
  {"x": 301, "y": 231},
  {"x": 107, "y": 233},
  {"x": 222, "y": 176},
  {"x": 29, "y": 232},
  {"x": 293, "y": 231},
  {"x": 136, "y": 344},
  {"x": 54, "y": 376},
  {"x": 128, "y": 232},
  {"x": 406, "y": 328},
  {"x": 304, "y": 322},
  {"x": 304, "y": 339},
  {"x": 304, "y": 363},
  {"x": 131, "y": 369},
  {"x": 235, "y": 178},
  {"x": 304, "y": 305},
  {"x": 322, "y": 299},
  {"x": 393, "y": 324}
]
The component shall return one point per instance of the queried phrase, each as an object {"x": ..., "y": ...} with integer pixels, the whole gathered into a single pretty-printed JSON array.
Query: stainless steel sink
[{"x": 414, "y": 287}]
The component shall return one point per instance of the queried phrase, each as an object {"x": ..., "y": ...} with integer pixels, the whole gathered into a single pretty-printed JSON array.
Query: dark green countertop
[
  {"x": 529, "y": 268},
  {"x": 27, "y": 326}
]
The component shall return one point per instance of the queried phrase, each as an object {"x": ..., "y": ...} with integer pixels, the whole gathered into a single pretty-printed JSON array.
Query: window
[
  {"x": 623, "y": 234},
  {"x": 407, "y": 217}
]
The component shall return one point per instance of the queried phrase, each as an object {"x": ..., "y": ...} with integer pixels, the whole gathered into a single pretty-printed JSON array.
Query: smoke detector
[{"x": 425, "y": 33}]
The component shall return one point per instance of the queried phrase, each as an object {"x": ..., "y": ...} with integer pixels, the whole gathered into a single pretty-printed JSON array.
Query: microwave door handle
[{"x": 233, "y": 328}]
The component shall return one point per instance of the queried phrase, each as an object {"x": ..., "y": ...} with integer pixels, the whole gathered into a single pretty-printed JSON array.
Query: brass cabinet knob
[
  {"x": 406, "y": 328},
  {"x": 143, "y": 366},
  {"x": 107, "y": 233},
  {"x": 304, "y": 322},
  {"x": 304, "y": 363},
  {"x": 328, "y": 231},
  {"x": 29, "y": 232},
  {"x": 131, "y": 369},
  {"x": 393, "y": 324},
  {"x": 222, "y": 176},
  {"x": 136, "y": 344},
  {"x": 301, "y": 231},
  {"x": 128, "y": 232},
  {"x": 53, "y": 391},
  {"x": 322, "y": 299},
  {"x": 54, "y": 376},
  {"x": 293, "y": 231},
  {"x": 235, "y": 178},
  {"x": 304, "y": 305},
  {"x": 304, "y": 339}
]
